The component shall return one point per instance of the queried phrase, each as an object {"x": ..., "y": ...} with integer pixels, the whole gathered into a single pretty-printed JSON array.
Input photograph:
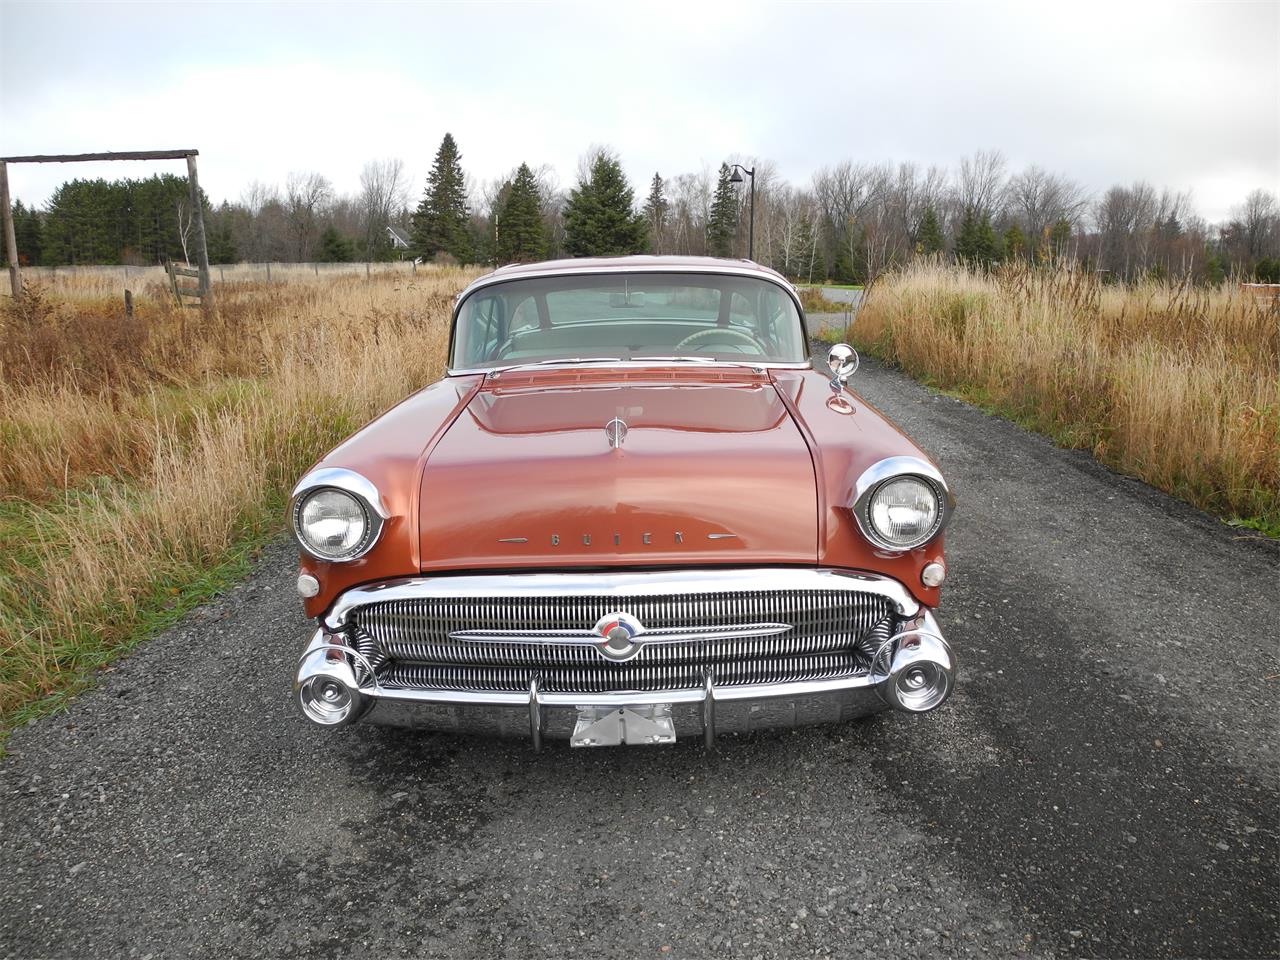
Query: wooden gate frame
[{"x": 193, "y": 185}]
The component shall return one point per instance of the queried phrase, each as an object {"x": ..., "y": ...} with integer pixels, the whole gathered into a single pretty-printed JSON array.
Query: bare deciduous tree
[
  {"x": 1038, "y": 199},
  {"x": 844, "y": 193},
  {"x": 690, "y": 196},
  {"x": 980, "y": 186},
  {"x": 384, "y": 193},
  {"x": 305, "y": 196},
  {"x": 185, "y": 219},
  {"x": 1259, "y": 224},
  {"x": 1124, "y": 218}
]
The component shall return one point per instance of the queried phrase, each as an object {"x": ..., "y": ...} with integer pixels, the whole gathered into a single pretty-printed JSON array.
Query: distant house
[{"x": 399, "y": 240}]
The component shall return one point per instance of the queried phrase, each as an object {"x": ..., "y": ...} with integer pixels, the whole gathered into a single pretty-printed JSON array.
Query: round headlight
[
  {"x": 904, "y": 512},
  {"x": 332, "y": 524}
]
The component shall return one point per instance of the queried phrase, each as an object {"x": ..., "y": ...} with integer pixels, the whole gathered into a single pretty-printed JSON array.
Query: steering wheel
[{"x": 731, "y": 332}]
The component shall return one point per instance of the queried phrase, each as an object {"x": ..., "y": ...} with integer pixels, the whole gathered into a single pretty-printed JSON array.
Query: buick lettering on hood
[{"x": 632, "y": 511}]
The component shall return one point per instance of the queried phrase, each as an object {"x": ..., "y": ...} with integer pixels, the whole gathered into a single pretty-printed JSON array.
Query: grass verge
[
  {"x": 170, "y": 596},
  {"x": 143, "y": 476}
]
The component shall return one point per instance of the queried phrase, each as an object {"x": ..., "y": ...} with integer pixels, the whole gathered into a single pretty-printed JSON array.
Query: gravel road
[
  {"x": 843, "y": 295},
  {"x": 1103, "y": 783}
]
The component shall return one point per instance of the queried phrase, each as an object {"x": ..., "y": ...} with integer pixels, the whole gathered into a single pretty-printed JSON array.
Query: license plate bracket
[{"x": 635, "y": 725}]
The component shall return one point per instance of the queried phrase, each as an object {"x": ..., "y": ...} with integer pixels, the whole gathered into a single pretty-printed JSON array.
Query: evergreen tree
[
  {"x": 29, "y": 233},
  {"x": 218, "y": 236},
  {"x": 722, "y": 227},
  {"x": 335, "y": 248},
  {"x": 1015, "y": 243},
  {"x": 1215, "y": 266},
  {"x": 817, "y": 265},
  {"x": 976, "y": 241},
  {"x": 1267, "y": 270},
  {"x": 655, "y": 213},
  {"x": 599, "y": 218},
  {"x": 520, "y": 234},
  {"x": 441, "y": 223},
  {"x": 966, "y": 238},
  {"x": 929, "y": 239},
  {"x": 118, "y": 221}
]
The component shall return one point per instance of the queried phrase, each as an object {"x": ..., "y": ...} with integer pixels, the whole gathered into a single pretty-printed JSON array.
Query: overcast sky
[{"x": 1182, "y": 95}]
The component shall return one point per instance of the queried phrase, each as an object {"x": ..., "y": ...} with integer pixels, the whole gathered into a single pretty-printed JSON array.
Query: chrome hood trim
[{"x": 622, "y": 585}]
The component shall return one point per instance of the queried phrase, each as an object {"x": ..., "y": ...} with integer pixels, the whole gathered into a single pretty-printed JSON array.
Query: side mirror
[{"x": 843, "y": 361}]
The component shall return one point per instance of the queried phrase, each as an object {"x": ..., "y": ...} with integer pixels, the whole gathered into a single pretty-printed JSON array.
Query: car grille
[{"x": 832, "y": 634}]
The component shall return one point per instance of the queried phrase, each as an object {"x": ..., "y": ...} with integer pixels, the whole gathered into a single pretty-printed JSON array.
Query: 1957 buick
[{"x": 631, "y": 511}]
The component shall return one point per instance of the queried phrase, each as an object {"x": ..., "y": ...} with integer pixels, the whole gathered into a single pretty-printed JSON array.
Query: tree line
[{"x": 849, "y": 223}]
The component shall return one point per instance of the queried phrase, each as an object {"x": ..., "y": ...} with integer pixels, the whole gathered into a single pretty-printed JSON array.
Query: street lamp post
[{"x": 738, "y": 171}]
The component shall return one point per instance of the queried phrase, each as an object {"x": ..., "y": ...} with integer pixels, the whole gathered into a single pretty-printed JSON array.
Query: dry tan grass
[
  {"x": 124, "y": 480},
  {"x": 1176, "y": 385}
]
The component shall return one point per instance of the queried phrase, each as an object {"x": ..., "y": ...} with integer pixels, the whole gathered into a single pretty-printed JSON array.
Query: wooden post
[
  {"x": 10, "y": 239},
  {"x": 197, "y": 213},
  {"x": 268, "y": 271},
  {"x": 128, "y": 302},
  {"x": 173, "y": 280}
]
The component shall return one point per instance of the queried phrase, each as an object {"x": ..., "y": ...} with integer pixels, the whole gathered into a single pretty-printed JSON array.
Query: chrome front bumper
[{"x": 914, "y": 673}]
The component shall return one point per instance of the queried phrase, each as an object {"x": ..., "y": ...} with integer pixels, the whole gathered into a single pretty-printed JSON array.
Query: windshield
[{"x": 629, "y": 316}]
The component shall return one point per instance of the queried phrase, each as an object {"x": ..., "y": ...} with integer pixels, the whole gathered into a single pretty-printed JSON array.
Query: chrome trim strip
[
  {"x": 343, "y": 479},
  {"x": 660, "y": 635},
  {"x": 762, "y": 365},
  {"x": 622, "y": 585},
  {"x": 726, "y": 269},
  {"x": 520, "y": 698},
  {"x": 888, "y": 469}
]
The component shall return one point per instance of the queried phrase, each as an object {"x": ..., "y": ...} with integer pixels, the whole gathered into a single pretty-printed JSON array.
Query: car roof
[{"x": 640, "y": 263}]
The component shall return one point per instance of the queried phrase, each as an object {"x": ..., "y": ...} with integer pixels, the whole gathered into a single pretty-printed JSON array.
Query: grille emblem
[{"x": 619, "y": 631}]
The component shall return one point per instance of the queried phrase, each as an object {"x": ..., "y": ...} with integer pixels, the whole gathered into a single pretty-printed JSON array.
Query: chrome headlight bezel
[
  {"x": 353, "y": 485},
  {"x": 898, "y": 468}
]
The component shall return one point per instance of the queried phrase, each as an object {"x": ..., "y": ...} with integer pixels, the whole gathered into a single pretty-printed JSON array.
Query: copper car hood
[{"x": 712, "y": 470}]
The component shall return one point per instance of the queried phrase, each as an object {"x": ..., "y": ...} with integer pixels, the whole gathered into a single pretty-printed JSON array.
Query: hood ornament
[{"x": 616, "y": 431}]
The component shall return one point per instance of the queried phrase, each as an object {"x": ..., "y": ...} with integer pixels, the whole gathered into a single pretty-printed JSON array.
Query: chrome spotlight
[{"x": 843, "y": 361}]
